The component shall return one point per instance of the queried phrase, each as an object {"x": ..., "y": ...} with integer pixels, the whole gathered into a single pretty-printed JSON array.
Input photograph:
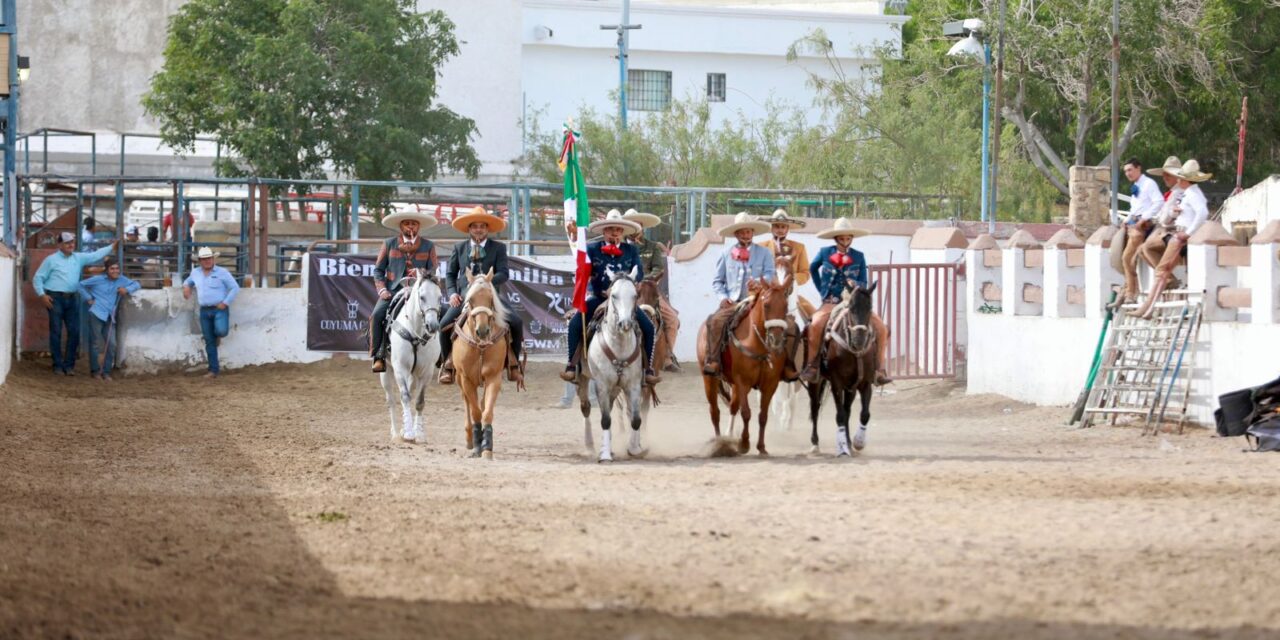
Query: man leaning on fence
[
  {"x": 57, "y": 283},
  {"x": 102, "y": 293},
  {"x": 215, "y": 290}
]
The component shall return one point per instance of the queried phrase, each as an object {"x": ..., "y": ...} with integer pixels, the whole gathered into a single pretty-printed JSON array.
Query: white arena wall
[{"x": 8, "y": 310}]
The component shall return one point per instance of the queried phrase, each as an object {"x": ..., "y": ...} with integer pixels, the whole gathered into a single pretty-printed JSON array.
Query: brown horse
[
  {"x": 649, "y": 300},
  {"x": 850, "y": 367},
  {"x": 753, "y": 359},
  {"x": 479, "y": 357}
]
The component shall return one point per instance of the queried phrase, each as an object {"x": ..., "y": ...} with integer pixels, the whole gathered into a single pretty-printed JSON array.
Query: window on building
[
  {"x": 648, "y": 90},
  {"x": 715, "y": 87}
]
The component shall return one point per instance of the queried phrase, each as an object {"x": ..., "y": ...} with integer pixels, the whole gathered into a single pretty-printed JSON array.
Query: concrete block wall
[{"x": 8, "y": 310}]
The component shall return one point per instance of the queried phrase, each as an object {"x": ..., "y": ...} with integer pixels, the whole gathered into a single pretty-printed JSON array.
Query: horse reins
[
  {"x": 403, "y": 332},
  {"x": 768, "y": 324}
]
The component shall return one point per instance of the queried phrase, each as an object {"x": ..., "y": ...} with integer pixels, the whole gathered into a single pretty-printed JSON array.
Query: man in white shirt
[
  {"x": 1146, "y": 203},
  {"x": 1164, "y": 247}
]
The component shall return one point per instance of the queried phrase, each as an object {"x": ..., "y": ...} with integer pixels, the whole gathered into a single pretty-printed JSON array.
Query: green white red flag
[{"x": 576, "y": 209}]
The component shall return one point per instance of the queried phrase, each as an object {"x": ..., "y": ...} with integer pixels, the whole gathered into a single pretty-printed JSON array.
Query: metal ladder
[{"x": 1148, "y": 361}]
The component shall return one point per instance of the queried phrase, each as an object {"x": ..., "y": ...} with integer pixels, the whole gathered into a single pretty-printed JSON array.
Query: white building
[{"x": 517, "y": 56}]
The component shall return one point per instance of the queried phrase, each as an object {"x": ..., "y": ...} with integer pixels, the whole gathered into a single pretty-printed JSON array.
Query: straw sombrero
[
  {"x": 1190, "y": 172},
  {"x": 614, "y": 219},
  {"x": 393, "y": 221},
  {"x": 645, "y": 220},
  {"x": 843, "y": 227},
  {"x": 744, "y": 220},
  {"x": 780, "y": 216},
  {"x": 206, "y": 252},
  {"x": 1171, "y": 164},
  {"x": 479, "y": 214}
]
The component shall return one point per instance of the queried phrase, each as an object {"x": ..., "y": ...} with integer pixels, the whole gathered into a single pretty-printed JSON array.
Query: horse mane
[{"x": 499, "y": 309}]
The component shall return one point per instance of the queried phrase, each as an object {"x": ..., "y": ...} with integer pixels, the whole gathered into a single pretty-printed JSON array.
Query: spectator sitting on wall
[
  {"x": 215, "y": 289},
  {"x": 57, "y": 283},
  {"x": 102, "y": 293}
]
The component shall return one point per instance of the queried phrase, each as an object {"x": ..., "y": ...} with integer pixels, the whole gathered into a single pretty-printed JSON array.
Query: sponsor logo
[
  {"x": 544, "y": 344},
  {"x": 535, "y": 327},
  {"x": 343, "y": 325},
  {"x": 353, "y": 309},
  {"x": 339, "y": 267},
  {"x": 536, "y": 275}
]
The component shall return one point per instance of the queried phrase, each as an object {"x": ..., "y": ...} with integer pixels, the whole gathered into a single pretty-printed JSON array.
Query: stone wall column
[
  {"x": 1018, "y": 279},
  {"x": 1265, "y": 276}
]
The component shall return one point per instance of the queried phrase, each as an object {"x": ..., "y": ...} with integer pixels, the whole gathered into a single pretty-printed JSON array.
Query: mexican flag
[{"x": 576, "y": 209}]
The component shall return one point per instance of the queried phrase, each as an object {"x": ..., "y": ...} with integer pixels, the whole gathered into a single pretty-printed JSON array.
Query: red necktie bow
[
  {"x": 841, "y": 260},
  {"x": 611, "y": 250},
  {"x": 741, "y": 254}
]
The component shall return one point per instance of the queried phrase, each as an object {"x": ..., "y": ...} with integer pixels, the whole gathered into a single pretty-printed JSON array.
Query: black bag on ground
[
  {"x": 1234, "y": 411},
  {"x": 1265, "y": 434}
]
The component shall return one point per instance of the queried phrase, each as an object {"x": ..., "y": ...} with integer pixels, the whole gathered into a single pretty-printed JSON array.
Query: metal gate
[{"x": 920, "y": 304}]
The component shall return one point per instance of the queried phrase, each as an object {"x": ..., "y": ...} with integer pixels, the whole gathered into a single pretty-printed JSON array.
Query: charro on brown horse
[
  {"x": 753, "y": 359},
  {"x": 479, "y": 357}
]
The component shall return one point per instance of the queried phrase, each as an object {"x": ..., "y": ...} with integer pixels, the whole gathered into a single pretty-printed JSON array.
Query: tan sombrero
[
  {"x": 614, "y": 219},
  {"x": 479, "y": 214},
  {"x": 393, "y": 221},
  {"x": 780, "y": 217},
  {"x": 843, "y": 227},
  {"x": 744, "y": 220},
  {"x": 1190, "y": 172},
  {"x": 1171, "y": 164},
  {"x": 645, "y": 220}
]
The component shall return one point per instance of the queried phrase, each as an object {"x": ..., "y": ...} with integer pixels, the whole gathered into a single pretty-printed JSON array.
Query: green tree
[{"x": 294, "y": 87}]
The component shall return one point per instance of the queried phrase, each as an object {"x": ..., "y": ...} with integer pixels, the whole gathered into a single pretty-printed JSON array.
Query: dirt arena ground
[{"x": 270, "y": 503}]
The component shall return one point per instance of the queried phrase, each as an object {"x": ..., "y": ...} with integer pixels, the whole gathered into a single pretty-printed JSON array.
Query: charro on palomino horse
[
  {"x": 479, "y": 358},
  {"x": 753, "y": 318},
  {"x": 613, "y": 365},
  {"x": 413, "y": 355},
  {"x": 850, "y": 359}
]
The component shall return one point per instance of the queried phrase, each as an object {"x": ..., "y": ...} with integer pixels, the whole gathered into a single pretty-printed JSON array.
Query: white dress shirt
[
  {"x": 1147, "y": 201},
  {"x": 1195, "y": 210}
]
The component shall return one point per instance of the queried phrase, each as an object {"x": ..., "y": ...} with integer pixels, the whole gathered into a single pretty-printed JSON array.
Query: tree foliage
[{"x": 295, "y": 87}]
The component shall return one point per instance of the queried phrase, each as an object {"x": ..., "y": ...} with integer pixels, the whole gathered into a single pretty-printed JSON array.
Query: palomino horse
[
  {"x": 414, "y": 351},
  {"x": 479, "y": 357},
  {"x": 753, "y": 359},
  {"x": 851, "y": 356},
  {"x": 615, "y": 362}
]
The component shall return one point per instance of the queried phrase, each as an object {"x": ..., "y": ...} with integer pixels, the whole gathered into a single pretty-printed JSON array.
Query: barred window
[
  {"x": 648, "y": 90},
  {"x": 715, "y": 87}
]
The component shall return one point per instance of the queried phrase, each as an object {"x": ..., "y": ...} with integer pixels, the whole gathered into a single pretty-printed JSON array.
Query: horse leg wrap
[
  {"x": 477, "y": 435},
  {"x": 487, "y": 434}
]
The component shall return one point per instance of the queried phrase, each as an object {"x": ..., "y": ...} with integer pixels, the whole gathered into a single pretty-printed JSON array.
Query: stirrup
[
  {"x": 570, "y": 374},
  {"x": 379, "y": 365},
  {"x": 651, "y": 377},
  {"x": 446, "y": 373},
  {"x": 882, "y": 378},
  {"x": 810, "y": 374}
]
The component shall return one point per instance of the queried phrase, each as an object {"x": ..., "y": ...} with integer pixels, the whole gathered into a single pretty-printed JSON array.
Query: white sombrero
[
  {"x": 645, "y": 220},
  {"x": 206, "y": 252},
  {"x": 479, "y": 214},
  {"x": 780, "y": 217},
  {"x": 393, "y": 221},
  {"x": 843, "y": 227},
  {"x": 1171, "y": 165},
  {"x": 744, "y": 220},
  {"x": 1190, "y": 172},
  {"x": 614, "y": 219}
]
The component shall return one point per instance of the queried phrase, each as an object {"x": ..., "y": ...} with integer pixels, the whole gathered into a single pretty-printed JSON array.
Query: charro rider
[
  {"x": 653, "y": 260},
  {"x": 832, "y": 269},
  {"x": 740, "y": 263},
  {"x": 399, "y": 256},
  {"x": 607, "y": 255},
  {"x": 476, "y": 255}
]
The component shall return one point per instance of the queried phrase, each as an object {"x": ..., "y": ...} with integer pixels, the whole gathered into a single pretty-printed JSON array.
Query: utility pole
[
  {"x": 624, "y": 43},
  {"x": 9, "y": 32},
  {"x": 1115, "y": 112},
  {"x": 995, "y": 144}
]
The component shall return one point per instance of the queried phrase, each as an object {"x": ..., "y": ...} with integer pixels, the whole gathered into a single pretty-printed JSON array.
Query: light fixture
[
  {"x": 24, "y": 69},
  {"x": 968, "y": 46}
]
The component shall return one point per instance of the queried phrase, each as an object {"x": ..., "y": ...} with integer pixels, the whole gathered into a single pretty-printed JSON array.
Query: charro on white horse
[
  {"x": 615, "y": 367},
  {"x": 415, "y": 347}
]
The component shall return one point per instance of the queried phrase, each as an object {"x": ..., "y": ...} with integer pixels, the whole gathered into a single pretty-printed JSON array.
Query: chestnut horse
[
  {"x": 479, "y": 358},
  {"x": 753, "y": 359},
  {"x": 648, "y": 298},
  {"x": 850, "y": 367}
]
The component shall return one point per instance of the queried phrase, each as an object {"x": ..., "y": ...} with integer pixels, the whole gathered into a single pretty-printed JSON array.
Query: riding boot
[
  {"x": 379, "y": 359},
  {"x": 570, "y": 374},
  {"x": 810, "y": 373},
  {"x": 790, "y": 345},
  {"x": 1148, "y": 306},
  {"x": 446, "y": 371},
  {"x": 715, "y": 347},
  {"x": 446, "y": 354},
  {"x": 515, "y": 373},
  {"x": 882, "y": 355}
]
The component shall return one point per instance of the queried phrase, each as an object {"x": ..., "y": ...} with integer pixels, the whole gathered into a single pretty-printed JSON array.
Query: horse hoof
[
  {"x": 813, "y": 451},
  {"x": 605, "y": 457},
  {"x": 844, "y": 454},
  {"x": 487, "y": 455},
  {"x": 639, "y": 453},
  {"x": 474, "y": 454},
  {"x": 859, "y": 439}
]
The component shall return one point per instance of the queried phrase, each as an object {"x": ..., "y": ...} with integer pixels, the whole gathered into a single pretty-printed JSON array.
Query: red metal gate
[{"x": 920, "y": 304}]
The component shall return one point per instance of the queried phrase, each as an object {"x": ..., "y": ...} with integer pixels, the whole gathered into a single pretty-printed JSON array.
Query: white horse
[
  {"x": 412, "y": 362},
  {"x": 615, "y": 365}
]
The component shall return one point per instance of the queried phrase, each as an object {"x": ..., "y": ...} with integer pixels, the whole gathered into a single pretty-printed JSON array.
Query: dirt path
[{"x": 166, "y": 506}]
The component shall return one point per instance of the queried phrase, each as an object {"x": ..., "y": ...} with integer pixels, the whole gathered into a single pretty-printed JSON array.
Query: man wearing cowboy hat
[
  {"x": 739, "y": 263},
  {"x": 476, "y": 255},
  {"x": 832, "y": 270},
  {"x": 653, "y": 261},
  {"x": 1146, "y": 203},
  {"x": 1164, "y": 247},
  {"x": 398, "y": 258},
  {"x": 215, "y": 289},
  {"x": 57, "y": 284},
  {"x": 781, "y": 224},
  {"x": 610, "y": 254}
]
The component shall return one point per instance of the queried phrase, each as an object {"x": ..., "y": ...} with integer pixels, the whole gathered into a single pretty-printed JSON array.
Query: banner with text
[{"x": 340, "y": 297}]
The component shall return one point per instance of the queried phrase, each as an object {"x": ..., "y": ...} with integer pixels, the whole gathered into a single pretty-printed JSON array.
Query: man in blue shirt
[
  {"x": 102, "y": 293},
  {"x": 832, "y": 270},
  {"x": 215, "y": 289},
  {"x": 57, "y": 283}
]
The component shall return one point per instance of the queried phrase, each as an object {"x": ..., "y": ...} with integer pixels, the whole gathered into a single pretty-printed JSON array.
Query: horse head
[
  {"x": 784, "y": 268},
  {"x": 771, "y": 302},
  {"x": 482, "y": 299},
  {"x": 647, "y": 297},
  {"x": 858, "y": 300},
  {"x": 425, "y": 298},
  {"x": 622, "y": 299}
]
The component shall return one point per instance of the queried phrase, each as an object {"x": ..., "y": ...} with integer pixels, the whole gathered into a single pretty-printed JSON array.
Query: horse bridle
[
  {"x": 493, "y": 338},
  {"x": 620, "y": 364},
  {"x": 768, "y": 324},
  {"x": 427, "y": 334}
]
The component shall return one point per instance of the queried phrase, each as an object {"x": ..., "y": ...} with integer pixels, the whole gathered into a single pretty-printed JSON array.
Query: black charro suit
[{"x": 492, "y": 255}]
